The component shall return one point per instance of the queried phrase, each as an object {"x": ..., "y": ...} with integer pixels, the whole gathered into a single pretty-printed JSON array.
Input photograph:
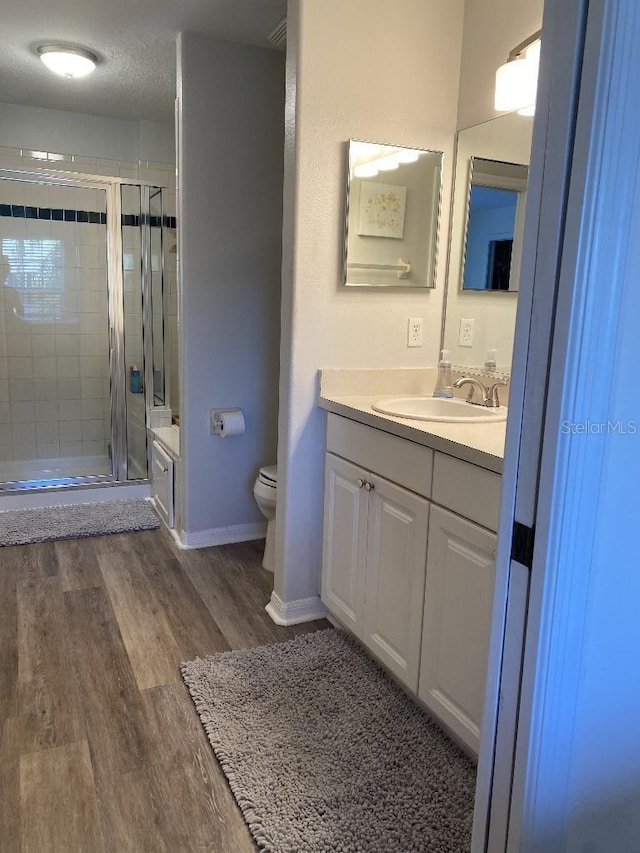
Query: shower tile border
[{"x": 92, "y": 217}]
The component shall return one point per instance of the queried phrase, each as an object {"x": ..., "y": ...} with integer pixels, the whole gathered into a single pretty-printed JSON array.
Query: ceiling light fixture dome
[{"x": 68, "y": 60}]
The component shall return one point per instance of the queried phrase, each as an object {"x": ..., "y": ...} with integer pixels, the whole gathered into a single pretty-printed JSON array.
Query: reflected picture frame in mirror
[
  {"x": 496, "y": 200},
  {"x": 392, "y": 215}
]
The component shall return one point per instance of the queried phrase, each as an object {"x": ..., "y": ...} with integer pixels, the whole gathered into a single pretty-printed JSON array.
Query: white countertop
[
  {"x": 170, "y": 438},
  {"x": 478, "y": 443}
]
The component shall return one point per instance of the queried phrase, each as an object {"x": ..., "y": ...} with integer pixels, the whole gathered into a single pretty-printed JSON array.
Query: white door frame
[
  {"x": 578, "y": 296},
  {"x": 551, "y": 155}
]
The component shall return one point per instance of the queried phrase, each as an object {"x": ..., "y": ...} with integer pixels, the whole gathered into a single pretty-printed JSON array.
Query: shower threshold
[{"x": 48, "y": 473}]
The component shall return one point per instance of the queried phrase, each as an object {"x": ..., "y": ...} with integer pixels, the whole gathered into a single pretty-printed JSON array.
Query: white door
[
  {"x": 345, "y": 542},
  {"x": 457, "y": 622},
  {"x": 396, "y": 559}
]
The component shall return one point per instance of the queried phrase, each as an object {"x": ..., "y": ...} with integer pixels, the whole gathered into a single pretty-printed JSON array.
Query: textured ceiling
[{"x": 135, "y": 40}]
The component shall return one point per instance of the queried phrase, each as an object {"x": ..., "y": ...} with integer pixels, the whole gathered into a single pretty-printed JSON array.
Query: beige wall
[{"x": 366, "y": 70}]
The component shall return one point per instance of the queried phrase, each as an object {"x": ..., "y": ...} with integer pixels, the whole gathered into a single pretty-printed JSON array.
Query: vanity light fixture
[
  {"x": 68, "y": 60},
  {"x": 517, "y": 79}
]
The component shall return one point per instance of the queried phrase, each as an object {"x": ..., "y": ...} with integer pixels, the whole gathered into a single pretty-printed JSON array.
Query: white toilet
[{"x": 264, "y": 491}]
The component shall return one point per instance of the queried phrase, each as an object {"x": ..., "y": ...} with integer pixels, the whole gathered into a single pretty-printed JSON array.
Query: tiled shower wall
[
  {"x": 53, "y": 340},
  {"x": 54, "y": 383}
]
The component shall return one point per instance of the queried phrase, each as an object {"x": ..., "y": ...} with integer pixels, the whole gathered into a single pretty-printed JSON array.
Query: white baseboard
[
  {"x": 293, "y": 612},
  {"x": 335, "y": 622},
  {"x": 220, "y": 535}
]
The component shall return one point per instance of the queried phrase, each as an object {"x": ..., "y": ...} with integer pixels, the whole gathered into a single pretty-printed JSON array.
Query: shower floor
[{"x": 39, "y": 472}]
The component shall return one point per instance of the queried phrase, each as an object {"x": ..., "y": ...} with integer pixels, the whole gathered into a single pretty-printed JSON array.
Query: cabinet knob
[
  {"x": 368, "y": 487},
  {"x": 360, "y": 484}
]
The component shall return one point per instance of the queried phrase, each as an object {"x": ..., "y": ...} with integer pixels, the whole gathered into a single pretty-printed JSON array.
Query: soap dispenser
[
  {"x": 443, "y": 382},
  {"x": 490, "y": 364}
]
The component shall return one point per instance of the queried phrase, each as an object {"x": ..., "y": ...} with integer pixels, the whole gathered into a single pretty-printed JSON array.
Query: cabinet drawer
[
  {"x": 467, "y": 489},
  {"x": 401, "y": 461}
]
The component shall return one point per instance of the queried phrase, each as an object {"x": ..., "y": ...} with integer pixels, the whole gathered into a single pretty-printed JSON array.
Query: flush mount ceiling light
[
  {"x": 68, "y": 60},
  {"x": 517, "y": 79}
]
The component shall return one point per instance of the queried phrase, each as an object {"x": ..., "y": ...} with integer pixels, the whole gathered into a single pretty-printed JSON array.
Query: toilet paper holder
[{"x": 216, "y": 419}]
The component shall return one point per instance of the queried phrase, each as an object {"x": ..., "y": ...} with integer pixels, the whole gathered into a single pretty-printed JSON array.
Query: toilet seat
[{"x": 269, "y": 476}]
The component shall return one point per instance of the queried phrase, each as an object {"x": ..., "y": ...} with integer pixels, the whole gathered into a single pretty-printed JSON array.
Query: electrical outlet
[
  {"x": 465, "y": 334},
  {"x": 414, "y": 332}
]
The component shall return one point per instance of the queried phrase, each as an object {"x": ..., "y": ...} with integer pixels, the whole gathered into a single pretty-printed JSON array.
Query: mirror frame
[{"x": 430, "y": 278}]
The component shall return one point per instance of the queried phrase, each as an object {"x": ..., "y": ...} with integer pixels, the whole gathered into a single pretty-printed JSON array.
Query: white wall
[
  {"x": 491, "y": 29},
  {"x": 230, "y": 144},
  {"x": 86, "y": 135},
  {"x": 366, "y": 70}
]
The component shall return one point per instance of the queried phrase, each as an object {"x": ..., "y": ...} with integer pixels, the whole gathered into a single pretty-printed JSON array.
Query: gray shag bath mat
[
  {"x": 324, "y": 753},
  {"x": 21, "y": 526}
]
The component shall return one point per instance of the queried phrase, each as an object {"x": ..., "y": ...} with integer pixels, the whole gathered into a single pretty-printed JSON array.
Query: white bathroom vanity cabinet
[{"x": 409, "y": 564}]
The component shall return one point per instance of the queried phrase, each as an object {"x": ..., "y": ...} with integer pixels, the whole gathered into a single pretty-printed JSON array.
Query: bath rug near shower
[
  {"x": 21, "y": 526},
  {"x": 324, "y": 752}
]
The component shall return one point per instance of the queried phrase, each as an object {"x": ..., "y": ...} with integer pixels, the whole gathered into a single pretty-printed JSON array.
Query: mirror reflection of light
[
  {"x": 366, "y": 170},
  {"x": 384, "y": 159},
  {"x": 406, "y": 155},
  {"x": 363, "y": 149}
]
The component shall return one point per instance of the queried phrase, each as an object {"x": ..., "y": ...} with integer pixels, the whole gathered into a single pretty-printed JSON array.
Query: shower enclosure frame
[{"x": 116, "y": 331}]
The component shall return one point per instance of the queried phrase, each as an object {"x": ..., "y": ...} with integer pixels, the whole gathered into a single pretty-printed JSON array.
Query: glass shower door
[
  {"x": 55, "y": 412},
  {"x": 133, "y": 268}
]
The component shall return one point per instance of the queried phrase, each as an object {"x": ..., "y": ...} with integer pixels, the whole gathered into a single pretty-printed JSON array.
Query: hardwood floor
[{"x": 100, "y": 746}]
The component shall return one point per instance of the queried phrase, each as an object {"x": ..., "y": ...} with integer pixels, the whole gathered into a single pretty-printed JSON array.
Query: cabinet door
[
  {"x": 345, "y": 542},
  {"x": 162, "y": 482},
  {"x": 394, "y": 587},
  {"x": 457, "y": 622}
]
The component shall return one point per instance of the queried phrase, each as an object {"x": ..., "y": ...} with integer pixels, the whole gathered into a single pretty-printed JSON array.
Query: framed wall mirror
[
  {"x": 485, "y": 240},
  {"x": 391, "y": 215}
]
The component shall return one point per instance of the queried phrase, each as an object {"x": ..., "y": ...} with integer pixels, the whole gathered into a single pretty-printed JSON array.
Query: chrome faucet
[{"x": 489, "y": 395}]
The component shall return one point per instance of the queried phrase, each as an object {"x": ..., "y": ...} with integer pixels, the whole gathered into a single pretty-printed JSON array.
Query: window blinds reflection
[{"x": 38, "y": 277}]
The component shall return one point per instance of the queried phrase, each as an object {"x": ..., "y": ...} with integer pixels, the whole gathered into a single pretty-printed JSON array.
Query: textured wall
[{"x": 367, "y": 71}]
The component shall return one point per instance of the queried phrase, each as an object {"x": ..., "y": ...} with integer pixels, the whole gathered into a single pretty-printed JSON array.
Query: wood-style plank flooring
[{"x": 100, "y": 746}]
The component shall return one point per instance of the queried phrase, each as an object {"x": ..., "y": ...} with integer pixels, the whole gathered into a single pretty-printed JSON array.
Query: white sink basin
[{"x": 438, "y": 409}]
